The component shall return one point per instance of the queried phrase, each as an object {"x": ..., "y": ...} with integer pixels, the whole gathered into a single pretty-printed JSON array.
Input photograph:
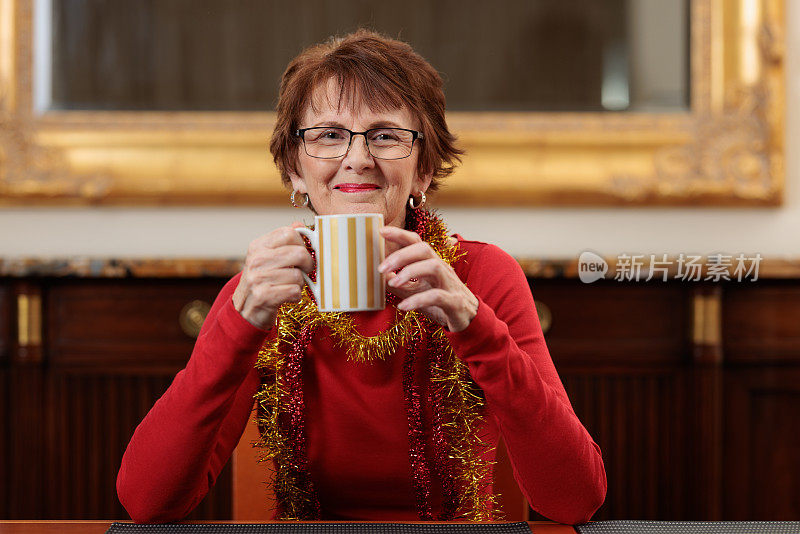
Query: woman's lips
[{"x": 356, "y": 188}]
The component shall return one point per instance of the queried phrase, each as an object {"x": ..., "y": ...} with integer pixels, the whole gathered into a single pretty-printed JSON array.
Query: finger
[
  {"x": 286, "y": 235},
  {"x": 277, "y": 238},
  {"x": 284, "y": 276},
  {"x": 400, "y": 258},
  {"x": 275, "y": 295},
  {"x": 403, "y": 291},
  {"x": 400, "y": 235},
  {"x": 280, "y": 257},
  {"x": 263, "y": 300},
  {"x": 289, "y": 292},
  {"x": 433, "y": 270},
  {"x": 424, "y": 299}
]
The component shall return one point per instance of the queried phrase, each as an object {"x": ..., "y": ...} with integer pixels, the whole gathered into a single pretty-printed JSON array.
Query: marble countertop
[{"x": 83, "y": 267}]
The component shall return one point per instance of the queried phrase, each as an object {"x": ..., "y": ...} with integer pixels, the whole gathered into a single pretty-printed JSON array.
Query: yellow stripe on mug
[
  {"x": 370, "y": 267},
  {"x": 352, "y": 262},
  {"x": 321, "y": 258}
]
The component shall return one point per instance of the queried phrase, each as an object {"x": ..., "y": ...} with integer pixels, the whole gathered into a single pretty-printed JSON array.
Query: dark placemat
[
  {"x": 690, "y": 527},
  {"x": 321, "y": 528}
]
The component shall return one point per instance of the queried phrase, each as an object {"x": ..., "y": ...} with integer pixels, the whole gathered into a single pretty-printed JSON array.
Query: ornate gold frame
[{"x": 727, "y": 150}]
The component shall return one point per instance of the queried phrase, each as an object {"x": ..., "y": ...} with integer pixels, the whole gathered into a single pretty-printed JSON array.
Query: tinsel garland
[{"x": 457, "y": 402}]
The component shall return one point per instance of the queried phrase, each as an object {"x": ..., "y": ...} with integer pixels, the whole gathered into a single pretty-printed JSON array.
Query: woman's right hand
[{"x": 272, "y": 275}]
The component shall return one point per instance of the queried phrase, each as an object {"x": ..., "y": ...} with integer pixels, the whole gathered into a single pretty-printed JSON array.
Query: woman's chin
[{"x": 361, "y": 207}]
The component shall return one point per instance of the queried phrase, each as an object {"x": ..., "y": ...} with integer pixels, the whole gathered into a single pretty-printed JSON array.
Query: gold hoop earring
[
  {"x": 294, "y": 203},
  {"x": 421, "y": 203}
]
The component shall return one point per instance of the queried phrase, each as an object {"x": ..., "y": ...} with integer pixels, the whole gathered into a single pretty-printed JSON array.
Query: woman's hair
[{"x": 371, "y": 69}]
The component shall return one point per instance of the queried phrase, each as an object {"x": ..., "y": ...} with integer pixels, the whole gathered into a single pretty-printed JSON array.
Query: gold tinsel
[
  {"x": 462, "y": 401},
  {"x": 462, "y": 407}
]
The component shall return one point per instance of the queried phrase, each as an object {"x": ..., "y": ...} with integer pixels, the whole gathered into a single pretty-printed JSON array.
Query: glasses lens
[
  {"x": 383, "y": 143},
  {"x": 326, "y": 142},
  {"x": 390, "y": 143}
]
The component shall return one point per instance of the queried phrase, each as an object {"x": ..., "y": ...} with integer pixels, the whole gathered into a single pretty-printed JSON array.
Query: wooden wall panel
[
  {"x": 761, "y": 322},
  {"x": 5, "y": 323},
  {"x": 91, "y": 418},
  {"x": 612, "y": 324},
  {"x": 130, "y": 324},
  {"x": 762, "y": 453},
  {"x": 761, "y": 335},
  {"x": 25, "y": 449},
  {"x": 113, "y": 349},
  {"x": 691, "y": 427},
  {"x": 70, "y": 407},
  {"x": 638, "y": 421},
  {"x": 5, "y": 392},
  {"x": 622, "y": 351}
]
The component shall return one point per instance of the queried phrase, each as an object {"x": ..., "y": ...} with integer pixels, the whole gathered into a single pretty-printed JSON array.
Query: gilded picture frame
[{"x": 727, "y": 150}]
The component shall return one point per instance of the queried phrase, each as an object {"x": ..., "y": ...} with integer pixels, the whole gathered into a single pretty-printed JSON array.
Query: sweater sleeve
[
  {"x": 556, "y": 463},
  {"x": 182, "y": 444}
]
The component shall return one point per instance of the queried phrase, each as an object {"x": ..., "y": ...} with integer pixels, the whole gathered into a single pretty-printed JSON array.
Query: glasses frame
[{"x": 301, "y": 133}]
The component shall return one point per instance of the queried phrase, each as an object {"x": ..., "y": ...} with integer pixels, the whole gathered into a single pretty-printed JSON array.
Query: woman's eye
[
  {"x": 384, "y": 136},
  {"x": 332, "y": 134}
]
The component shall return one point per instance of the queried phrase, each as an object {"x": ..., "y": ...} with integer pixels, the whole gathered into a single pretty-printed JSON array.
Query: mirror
[
  {"x": 514, "y": 55},
  {"x": 570, "y": 102}
]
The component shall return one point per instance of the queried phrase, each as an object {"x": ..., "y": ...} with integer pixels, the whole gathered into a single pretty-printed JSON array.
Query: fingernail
[
  {"x": 394, "y": 282},
  {"x": 402, "y": 306},
  {"x": 381, "y": 267}
]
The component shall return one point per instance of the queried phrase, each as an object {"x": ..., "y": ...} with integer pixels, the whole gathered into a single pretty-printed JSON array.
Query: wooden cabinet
[
  {"x": 110, "y": 348},
  {"x": 623, "y": 354},
  {"x": 761, "y": 452},
  {"x": 696, "y": 421},
  {"x": 696, "y": 412},
  {"x": 5, "y": 391}
]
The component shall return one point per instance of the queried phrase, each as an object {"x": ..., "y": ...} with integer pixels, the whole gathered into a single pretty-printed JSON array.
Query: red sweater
[{"x": 356, "y": 423}]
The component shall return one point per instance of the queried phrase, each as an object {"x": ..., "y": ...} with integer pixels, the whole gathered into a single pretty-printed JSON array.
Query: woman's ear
[
  {"x": 298, "y": 183},
  {"x": 423, "y": 182}
]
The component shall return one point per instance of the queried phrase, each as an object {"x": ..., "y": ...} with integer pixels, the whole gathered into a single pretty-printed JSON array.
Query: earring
[
  {"x": 421, "y": 203},
  {"x": 292, "y": 199}
]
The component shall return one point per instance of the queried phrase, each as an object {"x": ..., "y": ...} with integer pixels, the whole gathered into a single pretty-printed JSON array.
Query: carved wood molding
[
  {"x": 32, "y": 170},
  {"x": 775, "y": 268}
]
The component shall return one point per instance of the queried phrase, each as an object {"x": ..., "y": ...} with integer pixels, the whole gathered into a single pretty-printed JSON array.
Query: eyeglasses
[{"x": 326, "y": 142}]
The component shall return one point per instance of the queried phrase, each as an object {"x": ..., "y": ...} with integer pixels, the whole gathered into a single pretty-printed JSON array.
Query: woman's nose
[{"x": 358, "y": 157}]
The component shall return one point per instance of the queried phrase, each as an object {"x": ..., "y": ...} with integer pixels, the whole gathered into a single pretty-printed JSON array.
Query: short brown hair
[{"x": 382, "y": 73}]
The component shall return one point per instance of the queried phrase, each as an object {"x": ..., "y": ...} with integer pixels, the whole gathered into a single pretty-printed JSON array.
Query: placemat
[
  {"x": 321, "y": 528},
  {"x": 690, "y": 527}
]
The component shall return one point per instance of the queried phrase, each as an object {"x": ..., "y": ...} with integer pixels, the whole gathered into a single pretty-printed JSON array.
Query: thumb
[{"x": 297, "y": 224}]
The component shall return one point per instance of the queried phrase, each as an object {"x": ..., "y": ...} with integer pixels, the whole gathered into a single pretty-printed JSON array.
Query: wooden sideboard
[
  {"x": 109, "y": 349},
  {"x": 692, "y": 390}
]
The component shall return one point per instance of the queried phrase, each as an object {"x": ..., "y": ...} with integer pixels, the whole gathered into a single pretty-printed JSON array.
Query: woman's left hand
[{"x": 438, "y": 292}]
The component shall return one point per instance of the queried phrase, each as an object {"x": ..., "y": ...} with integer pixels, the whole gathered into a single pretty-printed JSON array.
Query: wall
[{"x": 550, "y": 232}]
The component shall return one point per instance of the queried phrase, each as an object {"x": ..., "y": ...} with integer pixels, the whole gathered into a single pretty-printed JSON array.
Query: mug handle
[{"x": 313, "y": 237}]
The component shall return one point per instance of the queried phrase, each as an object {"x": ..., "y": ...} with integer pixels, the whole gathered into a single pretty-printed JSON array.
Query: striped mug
[{"x": 349, "y": 249}]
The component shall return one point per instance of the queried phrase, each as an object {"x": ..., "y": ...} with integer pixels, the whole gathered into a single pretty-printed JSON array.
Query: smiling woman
[
  {"x": 343, "y": 173},
  {"x": 455, "y": 360}
]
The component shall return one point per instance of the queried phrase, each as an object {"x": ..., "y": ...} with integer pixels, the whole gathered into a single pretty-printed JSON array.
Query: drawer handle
[
  {"x": 29, "y": 320},
  {"x": 192, "y": 316},
  {"x": 545, "y": 315}
]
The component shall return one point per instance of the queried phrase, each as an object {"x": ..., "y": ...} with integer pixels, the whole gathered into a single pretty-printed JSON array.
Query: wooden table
[{"x": 99, "y": 527}]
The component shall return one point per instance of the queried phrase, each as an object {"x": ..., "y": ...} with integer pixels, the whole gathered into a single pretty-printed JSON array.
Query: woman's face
[{"x": 357, "y": 182}]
